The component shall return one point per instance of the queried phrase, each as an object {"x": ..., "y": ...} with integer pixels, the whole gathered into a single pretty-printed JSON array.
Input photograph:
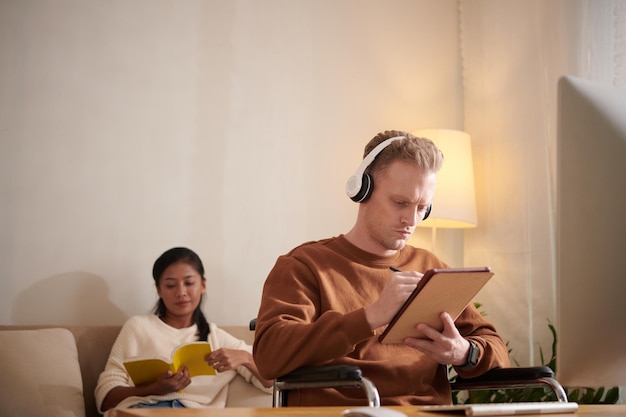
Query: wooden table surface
[{"x": 410, "y": 411}]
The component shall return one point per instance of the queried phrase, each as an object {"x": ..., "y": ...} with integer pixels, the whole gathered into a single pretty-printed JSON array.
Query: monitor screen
[{"x": 591, "y": 234}]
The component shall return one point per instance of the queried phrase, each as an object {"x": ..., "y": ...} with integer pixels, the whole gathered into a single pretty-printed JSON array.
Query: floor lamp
[{"x": 454, "y": 204}]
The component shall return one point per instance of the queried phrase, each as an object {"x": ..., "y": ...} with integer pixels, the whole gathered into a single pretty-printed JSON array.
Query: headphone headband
[{"x": 358, "y": 186}]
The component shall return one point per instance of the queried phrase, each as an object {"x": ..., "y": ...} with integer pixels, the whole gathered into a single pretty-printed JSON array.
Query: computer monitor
[{"x": 591, "y": 234}]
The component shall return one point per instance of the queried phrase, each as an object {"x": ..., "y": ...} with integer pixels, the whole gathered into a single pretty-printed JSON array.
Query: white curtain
[{"x": 513, "y": 53}]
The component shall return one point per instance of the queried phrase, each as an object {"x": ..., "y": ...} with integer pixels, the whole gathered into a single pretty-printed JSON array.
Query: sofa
[{"x": 52, "y": 371}]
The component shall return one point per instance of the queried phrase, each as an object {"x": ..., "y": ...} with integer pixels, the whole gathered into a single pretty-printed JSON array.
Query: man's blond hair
[{"x": 420, "y": 151}]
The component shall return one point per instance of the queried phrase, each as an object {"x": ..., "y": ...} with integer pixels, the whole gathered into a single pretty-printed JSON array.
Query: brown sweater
[{"x": 312, "y": 313}]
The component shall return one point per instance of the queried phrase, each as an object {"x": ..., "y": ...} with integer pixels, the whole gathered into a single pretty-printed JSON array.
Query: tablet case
[{"x": 439, "y": 290}]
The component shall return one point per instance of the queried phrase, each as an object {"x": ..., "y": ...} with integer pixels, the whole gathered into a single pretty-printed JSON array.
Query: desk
[{"x": 618, "y": 410}]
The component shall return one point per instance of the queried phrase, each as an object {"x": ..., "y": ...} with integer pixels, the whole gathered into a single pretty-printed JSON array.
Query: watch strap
[{"x": 472, "y": 355}]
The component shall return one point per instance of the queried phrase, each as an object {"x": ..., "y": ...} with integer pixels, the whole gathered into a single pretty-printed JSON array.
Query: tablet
[{"x": 439, "y": 290}]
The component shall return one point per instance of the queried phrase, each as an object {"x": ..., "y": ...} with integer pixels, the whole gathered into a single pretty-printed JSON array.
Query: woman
[{"x": 179, "y": 277}]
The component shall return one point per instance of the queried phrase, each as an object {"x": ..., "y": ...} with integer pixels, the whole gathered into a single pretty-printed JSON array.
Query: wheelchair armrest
[
  {"x": 513, "y": 378},
  {"x": 323, "y": 373},
  {"x": 324, "y": 377},
  {"x": 497, "y": 375}
]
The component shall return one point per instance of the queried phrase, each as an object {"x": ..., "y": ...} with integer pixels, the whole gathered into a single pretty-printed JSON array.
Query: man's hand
[
  {"x": 446, "y": 347},
  {"x": 397, "y": 289}
]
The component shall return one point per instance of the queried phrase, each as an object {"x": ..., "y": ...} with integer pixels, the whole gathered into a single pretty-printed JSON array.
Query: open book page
[
  {"x": 192, "y": 355},
  {"x": 147, "y": 370}
]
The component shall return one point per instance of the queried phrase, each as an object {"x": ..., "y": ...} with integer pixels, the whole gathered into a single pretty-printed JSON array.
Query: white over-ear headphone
[{"x": 359, "y": 186}]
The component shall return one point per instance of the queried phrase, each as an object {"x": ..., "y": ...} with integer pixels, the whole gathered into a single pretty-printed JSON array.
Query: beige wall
[{"x": 230, "y": 127}]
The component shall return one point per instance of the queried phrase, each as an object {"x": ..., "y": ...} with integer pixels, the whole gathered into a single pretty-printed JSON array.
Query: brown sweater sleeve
[{"x": 291, "y": 334}]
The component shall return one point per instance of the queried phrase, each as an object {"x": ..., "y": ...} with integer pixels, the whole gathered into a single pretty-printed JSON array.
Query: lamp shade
[{"x": 454, "y": 203}]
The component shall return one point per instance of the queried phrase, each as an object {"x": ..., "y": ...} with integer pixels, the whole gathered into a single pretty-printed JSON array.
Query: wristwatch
[{"x": 472, "y": 355}]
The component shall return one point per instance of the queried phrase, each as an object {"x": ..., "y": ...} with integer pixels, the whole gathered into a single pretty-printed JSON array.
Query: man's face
[{"x": 401, "y": 196}]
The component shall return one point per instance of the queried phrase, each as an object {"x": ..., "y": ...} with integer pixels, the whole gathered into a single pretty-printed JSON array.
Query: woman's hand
[
  {"x": 168, "y": 382},
  {"x": 171, "y": 382},
  {"x": 228, "y": 359}
]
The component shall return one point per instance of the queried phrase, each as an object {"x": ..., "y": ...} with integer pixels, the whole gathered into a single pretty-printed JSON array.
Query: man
[{"x": 326, "y": 302}]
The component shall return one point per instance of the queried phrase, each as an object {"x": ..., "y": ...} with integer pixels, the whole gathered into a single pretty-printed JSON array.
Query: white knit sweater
[{"x": 149, "y": 336}]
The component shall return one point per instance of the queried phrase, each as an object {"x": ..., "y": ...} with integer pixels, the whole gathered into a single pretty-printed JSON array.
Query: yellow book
[{"x": 147, "y": 370}]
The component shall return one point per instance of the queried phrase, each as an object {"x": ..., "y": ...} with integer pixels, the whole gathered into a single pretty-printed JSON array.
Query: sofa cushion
[
  {"x": 40, "y": 374},
  {"x": 243, "y": 394}
]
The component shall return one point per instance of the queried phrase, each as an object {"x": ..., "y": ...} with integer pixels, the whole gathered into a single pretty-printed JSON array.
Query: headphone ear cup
[
  {"x": 430, "y": 207},
  {"x": 366, "y": 189}
]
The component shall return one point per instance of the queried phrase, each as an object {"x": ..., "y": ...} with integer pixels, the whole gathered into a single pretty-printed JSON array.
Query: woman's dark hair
[{"x": 189, "y": 257}]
